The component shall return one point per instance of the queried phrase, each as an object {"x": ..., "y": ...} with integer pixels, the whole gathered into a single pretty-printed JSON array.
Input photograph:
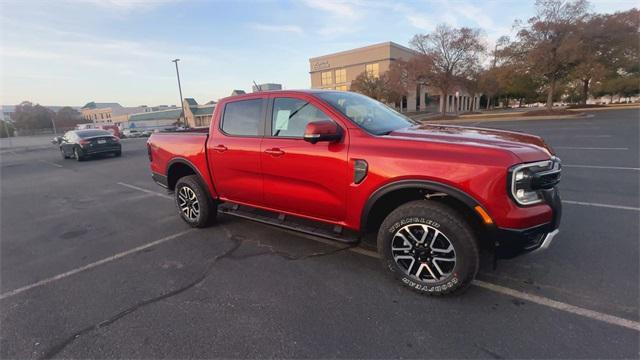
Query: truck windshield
[{"x": 371, "y": 115}]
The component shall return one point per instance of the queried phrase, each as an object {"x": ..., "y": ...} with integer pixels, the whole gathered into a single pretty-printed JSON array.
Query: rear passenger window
[
  {"x": 291, "y": 116},
  {"x": 243, "y": 118}
]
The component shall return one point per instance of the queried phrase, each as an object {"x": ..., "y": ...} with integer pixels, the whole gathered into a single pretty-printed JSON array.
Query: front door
[
  {"x": 233, "y": 151},
  {"x": 300, "y": 177}
]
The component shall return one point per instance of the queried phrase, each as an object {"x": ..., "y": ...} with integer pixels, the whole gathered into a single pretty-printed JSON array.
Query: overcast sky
[{"x": 57, "y": 52}]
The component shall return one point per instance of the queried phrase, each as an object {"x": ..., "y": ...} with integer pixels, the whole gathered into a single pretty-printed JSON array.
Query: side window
[
  {"x": 243, "y": 118},
  {"x": 291, "y": 116}
]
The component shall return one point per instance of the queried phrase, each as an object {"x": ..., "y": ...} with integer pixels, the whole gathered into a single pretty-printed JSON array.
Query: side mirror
[
  {"x": 325, "y": 130},
  {"x": 56, "y": 140}
]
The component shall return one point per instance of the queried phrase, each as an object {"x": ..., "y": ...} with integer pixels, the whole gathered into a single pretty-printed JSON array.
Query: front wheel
[
  {"x": 194, "y": 205},
  {"x": 429, "y": 247}
]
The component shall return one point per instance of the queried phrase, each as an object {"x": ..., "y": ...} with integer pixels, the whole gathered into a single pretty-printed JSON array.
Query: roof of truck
[{"x": 272, "y": 92}]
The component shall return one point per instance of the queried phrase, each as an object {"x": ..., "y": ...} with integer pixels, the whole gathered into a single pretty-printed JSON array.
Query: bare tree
[{"x": 451, "y": 54}]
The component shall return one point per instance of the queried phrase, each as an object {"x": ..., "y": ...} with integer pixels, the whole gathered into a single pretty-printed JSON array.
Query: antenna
[{"x": 257, "y": 86}]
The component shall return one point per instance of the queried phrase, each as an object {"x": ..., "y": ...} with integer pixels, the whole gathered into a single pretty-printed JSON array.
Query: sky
[{"x": 70, "y": 52}]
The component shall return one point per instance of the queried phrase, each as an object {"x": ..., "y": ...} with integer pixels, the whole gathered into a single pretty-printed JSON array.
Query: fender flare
[
  {"x": 434, "y": 186},
  {"x": 183, "y": 161}
]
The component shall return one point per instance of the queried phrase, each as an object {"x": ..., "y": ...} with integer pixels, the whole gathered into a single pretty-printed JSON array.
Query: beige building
[
  {"x": 337, "y": 71},
  {"x": 198, "y": 115},
  {"x": 110, "y": 113}
]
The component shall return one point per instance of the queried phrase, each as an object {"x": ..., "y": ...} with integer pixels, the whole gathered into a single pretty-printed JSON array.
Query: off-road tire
[
  {"x": 207, "y": 208},
  {"x": 448, "y": 222}
]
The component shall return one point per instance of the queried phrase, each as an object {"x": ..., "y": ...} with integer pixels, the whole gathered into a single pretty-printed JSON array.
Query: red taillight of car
[{"x": 84, "y": 142}]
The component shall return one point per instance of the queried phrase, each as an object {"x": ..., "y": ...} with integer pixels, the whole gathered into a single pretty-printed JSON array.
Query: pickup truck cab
[{"x": 341, "y": 165}]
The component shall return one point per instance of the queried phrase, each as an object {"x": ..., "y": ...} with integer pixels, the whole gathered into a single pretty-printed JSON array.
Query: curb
[{"x": 520, "y": 118}]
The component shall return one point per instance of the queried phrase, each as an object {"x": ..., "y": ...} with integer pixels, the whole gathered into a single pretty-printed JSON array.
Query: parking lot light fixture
[{"x": 184, "y": 115}]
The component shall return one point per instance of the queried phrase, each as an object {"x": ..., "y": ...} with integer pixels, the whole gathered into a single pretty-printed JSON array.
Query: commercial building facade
[
  {"x": 198, "y": 115},
  {"x": 337, "y": 71}
]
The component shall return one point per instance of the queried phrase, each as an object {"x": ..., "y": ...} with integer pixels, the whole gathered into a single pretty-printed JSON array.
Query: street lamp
[{"x": 184, "y": 114}]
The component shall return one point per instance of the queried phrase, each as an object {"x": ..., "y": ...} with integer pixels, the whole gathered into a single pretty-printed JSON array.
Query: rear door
[
  {"x": 300, "y": 177},
  {"x": 233, "y": 150}
]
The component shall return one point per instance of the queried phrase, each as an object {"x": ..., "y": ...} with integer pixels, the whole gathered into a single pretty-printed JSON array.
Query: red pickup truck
[{"x": 340, "y": 165}]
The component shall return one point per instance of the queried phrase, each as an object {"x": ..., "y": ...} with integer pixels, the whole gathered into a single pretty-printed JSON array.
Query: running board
[{"x": 336, "y": 233}]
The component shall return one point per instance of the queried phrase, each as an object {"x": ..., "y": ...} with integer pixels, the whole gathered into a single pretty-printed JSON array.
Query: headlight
[{"x": 526, "y": 181}]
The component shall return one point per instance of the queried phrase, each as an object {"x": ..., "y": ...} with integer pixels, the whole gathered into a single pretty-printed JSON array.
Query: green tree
[
  {"x": 29, "y": 117},
  {"x": 608, "y": 47},
  {"x": 548, "y": 46},
  {"x": 6, "y": 129}
]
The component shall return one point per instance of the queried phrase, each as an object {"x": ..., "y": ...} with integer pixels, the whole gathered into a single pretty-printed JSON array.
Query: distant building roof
[
  {"x": 267, "y": 87},
  {"x": 95, "y": 105},
  {"x": 173, "y": 114},
  {"x": 211, "y": 103},
  {"x": 191, "y": 101},
  {"x": 237, "y": 92}
]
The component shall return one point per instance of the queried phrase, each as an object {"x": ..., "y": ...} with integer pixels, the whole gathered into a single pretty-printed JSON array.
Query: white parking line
[
  {"x": 540, "y": 300},
  {"x": 51, "y": 163},
  {"x": 589, "y": 148},
  {"x": 610, "y": 319},
  {"x": 620, "y": 207},
  {"x": 92, "y": 265},
  {"x": 145, "y": 190},
  {"x": 601, "y": 167},
  {"x": 614, "y": 320},
  {"x": 592, "y": 136}
]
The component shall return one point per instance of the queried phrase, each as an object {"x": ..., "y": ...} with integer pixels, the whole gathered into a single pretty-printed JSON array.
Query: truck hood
[{"x": 525, "y": 146}]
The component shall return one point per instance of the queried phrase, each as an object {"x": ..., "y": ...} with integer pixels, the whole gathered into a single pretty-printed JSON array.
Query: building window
[
  {"x": 341, "y": 87},
  {"x": 341, "y": 76},
  {"x": 372, "y": 70},
  {"x": 326, "y": 78}
]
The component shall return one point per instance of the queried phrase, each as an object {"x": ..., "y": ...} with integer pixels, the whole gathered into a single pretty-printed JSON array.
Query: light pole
[{"x": 184, "y": 114}]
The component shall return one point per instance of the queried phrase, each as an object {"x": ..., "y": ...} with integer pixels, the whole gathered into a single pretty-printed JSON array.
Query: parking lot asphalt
[{"x": 95, "y": 263}]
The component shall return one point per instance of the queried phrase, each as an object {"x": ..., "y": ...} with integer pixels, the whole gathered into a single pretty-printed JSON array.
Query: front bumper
[{"x": 509, "y": 243}]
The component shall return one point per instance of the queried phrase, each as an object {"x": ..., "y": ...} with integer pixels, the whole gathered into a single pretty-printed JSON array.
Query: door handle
[
  {"x": 274, "y": 152},
  {"x": 220, "y": 148}
]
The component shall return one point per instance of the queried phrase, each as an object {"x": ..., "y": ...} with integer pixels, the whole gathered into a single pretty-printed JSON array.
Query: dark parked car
[{"x": 80, "y": 144}]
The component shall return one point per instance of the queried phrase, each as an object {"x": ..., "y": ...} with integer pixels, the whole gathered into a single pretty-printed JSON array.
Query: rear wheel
[
  {"x": 194, "y": 205},
  {"x": 429, "y": 247},
  {"x": 117, "y": 153},
  {"x": 77, "y": 153}
]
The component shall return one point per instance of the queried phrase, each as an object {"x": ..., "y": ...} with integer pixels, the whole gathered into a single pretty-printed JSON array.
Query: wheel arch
[
  {"x": 390, "y": 196},
  {"x": 181, "y": 167}
]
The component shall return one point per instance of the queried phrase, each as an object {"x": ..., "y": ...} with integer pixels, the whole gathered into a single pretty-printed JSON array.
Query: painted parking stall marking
[
  {"x": 601, "y": 167},
  {"x": 619, "y": 207},
  {"x": 93, "y": 265}
]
